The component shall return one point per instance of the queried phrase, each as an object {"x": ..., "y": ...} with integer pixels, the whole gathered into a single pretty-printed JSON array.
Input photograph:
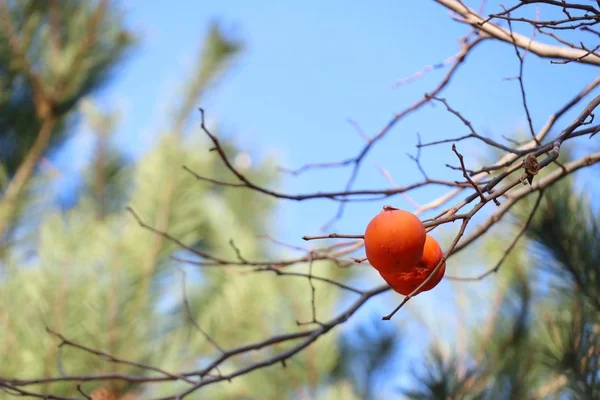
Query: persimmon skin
[
  {"x": 406, "y": 281},
  {"x": 394, "y": 240}
]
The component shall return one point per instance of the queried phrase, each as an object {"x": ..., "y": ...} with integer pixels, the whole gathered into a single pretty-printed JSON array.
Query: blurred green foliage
[
  {"x": 541, "y": 339},
  {"x": 92, "y": 273}
]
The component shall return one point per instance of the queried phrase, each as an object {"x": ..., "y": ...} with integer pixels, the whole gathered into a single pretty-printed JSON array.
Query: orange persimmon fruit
[
  {"x": 394, "y": 240},
  {"x": 405, "y": 281}
]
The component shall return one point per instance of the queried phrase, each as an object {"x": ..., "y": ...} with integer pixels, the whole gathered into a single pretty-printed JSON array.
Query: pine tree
[
  {"x": 90, "y": 272},
  {"x": 51, "y": 56},
  {"x": 541, "y": 340}
]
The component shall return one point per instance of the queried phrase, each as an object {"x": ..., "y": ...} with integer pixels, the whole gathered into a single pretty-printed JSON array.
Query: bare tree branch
[{"x": 470, "y": 17}]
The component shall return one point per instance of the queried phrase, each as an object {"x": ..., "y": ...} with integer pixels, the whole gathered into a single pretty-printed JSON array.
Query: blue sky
[{"x": 309, "y": 67}]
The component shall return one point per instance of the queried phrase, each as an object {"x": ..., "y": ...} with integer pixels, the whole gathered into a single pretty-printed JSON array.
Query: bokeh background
[{"x": 280, "y": 83}]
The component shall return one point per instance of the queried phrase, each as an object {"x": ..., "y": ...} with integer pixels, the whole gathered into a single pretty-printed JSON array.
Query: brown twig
[
  {"x": 313, "y": 294},
  {"x": 466, "y": 175},
  {"x": 548, "y": 180},
  {"x": 472, "y": 134},
  {"x": 190, "y": 314},
  {"x": 308, "y": 336},
  {"x": 279, "y": 272},
  {"x": 333, "y": 236},
  {"x": 521, "y": 59},
  {"x": 492, "y": 30},
  {"x": 508, "y": 250},
  {"x": 341, "y": 196},
  {"x": 66, "y": 342}
]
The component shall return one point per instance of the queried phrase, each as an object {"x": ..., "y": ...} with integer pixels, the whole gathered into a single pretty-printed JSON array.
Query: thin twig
[
  {"x": 190, "y": 314},
  {"x": 508, "y": 250},
  {"x": 66, "y": 342}
]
